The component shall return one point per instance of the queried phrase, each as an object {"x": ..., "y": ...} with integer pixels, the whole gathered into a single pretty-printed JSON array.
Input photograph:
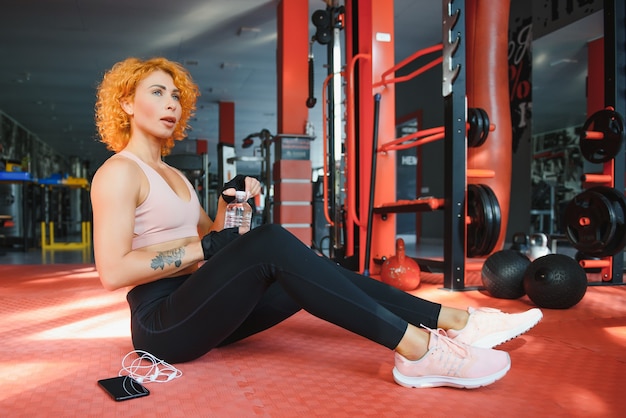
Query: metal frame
[
  {"x": 615, "y": 96},
  {"x": 455, "y": 144}
]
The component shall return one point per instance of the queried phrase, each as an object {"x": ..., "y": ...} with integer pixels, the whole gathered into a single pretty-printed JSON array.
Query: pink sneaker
[
  {"x": 449, "y": 363},
  {"x": 488, "y": 327}
]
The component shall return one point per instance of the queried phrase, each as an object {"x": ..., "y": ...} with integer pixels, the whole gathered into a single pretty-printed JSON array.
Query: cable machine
[
  {"x": 370, "y": 79},
  {"x": 477, "y": 169}
]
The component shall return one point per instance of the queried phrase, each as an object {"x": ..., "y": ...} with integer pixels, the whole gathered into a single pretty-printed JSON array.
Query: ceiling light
[
  {"x": 563, "y": 61},
  {"x": 247, "y": 30}
]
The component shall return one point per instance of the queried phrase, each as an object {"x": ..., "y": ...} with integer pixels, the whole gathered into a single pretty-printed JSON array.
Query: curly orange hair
[{"x": 120, "y": 83}]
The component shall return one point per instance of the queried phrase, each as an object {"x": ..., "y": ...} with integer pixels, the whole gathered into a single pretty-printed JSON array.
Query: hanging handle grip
[{"x": 311, "y": 100}]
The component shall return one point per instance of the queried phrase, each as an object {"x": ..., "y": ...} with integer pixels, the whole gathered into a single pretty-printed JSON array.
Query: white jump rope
[{"x": 146, "y": 368}]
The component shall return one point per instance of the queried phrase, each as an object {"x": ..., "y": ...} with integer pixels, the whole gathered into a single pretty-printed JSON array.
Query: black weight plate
[
  {"x": 484, "y": 226},
  {"x": 618, "y": 200},
  {"x": 494, "y": 233},
  {"x": 590, "y": 222},
  {"x": 485, "y": 131},
  {"x": 475, "y": 127},
  {"x": 478, "y": 220},
  {"x": 610, "y": 124},
  {"x": 479, "y": 127}
]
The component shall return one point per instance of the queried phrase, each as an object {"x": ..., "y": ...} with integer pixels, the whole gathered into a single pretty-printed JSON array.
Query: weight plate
[
  {"x": 478, "y": 127},
  {"x": 618, "y": 201},
  {"x": 497, "y": 220},
  {"x": 475, "y": 125},
  {"x": 485, "y": 131},
  {"x": 590, "y": 222},
  {"x": 610, "y": 124},
  {"x": 477, "y": 220},
  {"x": 484, "y": 226}
]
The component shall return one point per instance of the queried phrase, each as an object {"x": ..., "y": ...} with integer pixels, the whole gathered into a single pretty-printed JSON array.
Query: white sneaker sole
[
  {"x": 455, "y": 382},
  {"x": 497, "y": 338}
]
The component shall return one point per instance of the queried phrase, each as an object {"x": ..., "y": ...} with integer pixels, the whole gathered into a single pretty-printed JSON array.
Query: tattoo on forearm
[{"x": 168, "y": 257}]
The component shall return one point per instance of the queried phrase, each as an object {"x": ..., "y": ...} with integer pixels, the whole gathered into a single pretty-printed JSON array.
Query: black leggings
[{"x": 259, "y": 280}]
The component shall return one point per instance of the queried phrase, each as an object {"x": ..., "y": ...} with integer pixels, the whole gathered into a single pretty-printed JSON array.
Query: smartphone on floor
[{"x": 122, "y": 388}]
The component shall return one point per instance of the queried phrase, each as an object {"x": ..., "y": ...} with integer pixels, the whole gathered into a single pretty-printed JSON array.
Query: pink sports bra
[{"x": 163, "y": 216}]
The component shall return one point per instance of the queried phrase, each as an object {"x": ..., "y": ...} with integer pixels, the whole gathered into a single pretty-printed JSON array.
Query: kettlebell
[
  {"x": 401, "y": 271},
  {"x": 520, "y": 243},
  {"x": 538, "y": 246}
]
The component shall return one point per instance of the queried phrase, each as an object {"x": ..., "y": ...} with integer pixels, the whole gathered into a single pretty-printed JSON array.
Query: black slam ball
[
  {"x": 503, "y": 274},
  {"x": 555, "y": 281}
]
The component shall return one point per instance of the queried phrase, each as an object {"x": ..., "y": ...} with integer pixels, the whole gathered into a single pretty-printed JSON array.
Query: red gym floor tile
[{"x": 61, "y": 332}]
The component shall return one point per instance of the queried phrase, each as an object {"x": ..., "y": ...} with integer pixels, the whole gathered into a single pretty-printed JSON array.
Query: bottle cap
[{"x": 241, "y": 195}]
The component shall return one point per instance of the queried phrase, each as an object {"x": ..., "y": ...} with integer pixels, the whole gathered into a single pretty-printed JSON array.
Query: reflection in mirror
[{"x": 559, "y": 110}]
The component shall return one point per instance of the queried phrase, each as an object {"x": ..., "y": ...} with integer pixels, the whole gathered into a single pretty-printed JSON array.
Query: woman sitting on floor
[{"x": 151, "y": 235}]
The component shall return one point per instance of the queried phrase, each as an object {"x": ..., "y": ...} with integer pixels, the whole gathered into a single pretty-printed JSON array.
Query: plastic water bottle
[{"x": 238, "y": 212}]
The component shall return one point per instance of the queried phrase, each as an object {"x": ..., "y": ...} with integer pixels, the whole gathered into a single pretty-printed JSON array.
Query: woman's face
[{"x": 155, "y": 109}]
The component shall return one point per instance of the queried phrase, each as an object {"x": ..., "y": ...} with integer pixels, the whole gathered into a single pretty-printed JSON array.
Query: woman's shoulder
[
  {"x": 118, "y": 162},
  {"x": 117, "y": 168}
]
